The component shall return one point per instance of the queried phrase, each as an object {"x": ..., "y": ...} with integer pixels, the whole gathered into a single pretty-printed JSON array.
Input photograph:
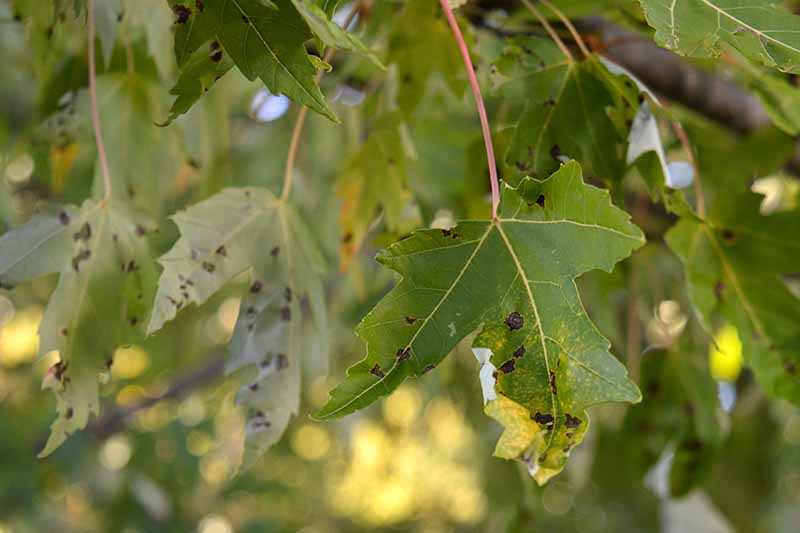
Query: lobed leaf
[{"x": 514, "y": 279}]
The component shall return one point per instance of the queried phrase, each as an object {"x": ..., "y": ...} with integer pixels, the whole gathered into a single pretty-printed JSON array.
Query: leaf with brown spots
[
  {"x": 92, "y": 310},
  {"x": 249, "y": 225},
  {"x": 515, "y": 277}
]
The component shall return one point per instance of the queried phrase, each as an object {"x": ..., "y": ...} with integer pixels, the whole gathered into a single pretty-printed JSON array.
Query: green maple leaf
[
  {"x": 263, "y": 41},
  {"x": 735, "y": 259},
  {"x": 422, "y": 46},
  {"x": 241, "y": 230},
  {"x": 759, "y": 29},
  {"x": 514, "y": 279},
  {"x": 362, "y": 196},
  {"x": 680, "y": 406},
  {"x": 331, "y": 34},
  {"x": 558, "y": 94},
  {"x": 100, "y": 302}
]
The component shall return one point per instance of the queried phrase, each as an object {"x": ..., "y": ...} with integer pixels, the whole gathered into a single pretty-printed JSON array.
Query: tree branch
[{"x": 116, "y": 419}]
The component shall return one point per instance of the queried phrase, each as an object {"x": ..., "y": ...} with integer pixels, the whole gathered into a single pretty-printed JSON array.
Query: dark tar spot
[
  {"x": 540, "y": 201},
  {"x": 728, "y": 236},
  {"x": 555, "y": 153},
  {"x": 245, "y": 19},
  {"x": 514, "y": 321},
  {"x": 446, "y": 232},
  {"x": 216, "y": 57},
  {"x": 254, "y": 387},
  {"x": 376, "y": 371},
  {"x": 83, "y": 255},
  {"x": 508, "y": 366},
  {"x": 543, "y": 419},
  {"x": 572, "y": 421}
]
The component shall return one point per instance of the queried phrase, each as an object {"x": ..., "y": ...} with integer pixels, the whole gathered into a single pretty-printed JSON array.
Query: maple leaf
[
  {"x": 514, "y": 278},
  {"x": 100, "y": 302},
  {"x": 241, "y": 230}
]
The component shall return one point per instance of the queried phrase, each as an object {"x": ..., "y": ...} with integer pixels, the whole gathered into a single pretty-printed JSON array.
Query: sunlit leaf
[{"x": 249, "y": 230}]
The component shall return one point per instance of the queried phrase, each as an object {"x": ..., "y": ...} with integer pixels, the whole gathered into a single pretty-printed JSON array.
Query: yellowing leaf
[{"x": 725, "y": 354}]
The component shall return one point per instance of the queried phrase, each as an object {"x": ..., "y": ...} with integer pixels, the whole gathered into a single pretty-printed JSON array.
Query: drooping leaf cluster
[{"x": 581, "y": 140}]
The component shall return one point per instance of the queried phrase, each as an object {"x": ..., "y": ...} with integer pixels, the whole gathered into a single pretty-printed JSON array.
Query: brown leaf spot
[
  {"x": 446, "y": 232},
  {"x": 254, "y": 387},
  {"x": 376, "y": 371},
  {"x": 83, "y": 255},
  {"x": 256, "y": 287},
  {"x": 789, "y": 366},
  {"x": 83, "y": 234},
  {"x": 283, "y": 361},
  {"x": 286, "y": 314},
  {"x": 139, "y": 231},
  {"x": 69, "y": 413},
  {"x": 221, "y": 251},
  {"x": 245, "y": 19},
  {"x": 553, "y": 388},
  {"x": 428, "y": 369},
  {"x": 63, "y": 332},
  {"x": 520, "y": 351},
  {"x": 572, "y": 421},
  {"x": 403, "y": 353},
  {"x": 410, "y": 319},
  {"x": 182, "y": 13},
  {"x": 200, "y": 5},
  {"x": 216, "y": 57},
  {"x": 555, "y": 153},
  {"x": 209, "y": 267},
  {"x": 514, "y": 321},
  {"x": 540, "y": 201},
  {"x": 63, "y": 218},
  {"x": 275, "y": 251},
  {"x": 287, "y": 294},
  {"x": 719, "y": 287},
  {"x": 549, "y": 102}
]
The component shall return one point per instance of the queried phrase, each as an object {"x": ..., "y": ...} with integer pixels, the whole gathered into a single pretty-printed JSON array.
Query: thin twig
[
  {"x": 476, "y": 91},
  {"x": 301, "y": 115},
  {"x": 550, "y": 31},
  {"x": 563, "y": 18},
  {"x": 98, "y": 134}
]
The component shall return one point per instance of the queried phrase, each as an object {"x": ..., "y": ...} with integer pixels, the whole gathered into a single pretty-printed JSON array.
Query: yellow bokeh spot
[
  {"x": 19, "y": 338},
  {"x": 130, "y": 395},
  {"x": 129, "y": 362},
  {"x": 402, "y": 407},
  {"x": 199, "y": 443},
  {"x": 115, "y": 453},
  {"x": 311, "y": 442},
  {"x": 215, "y": 469},
  {"x": 725, "y": 354}
]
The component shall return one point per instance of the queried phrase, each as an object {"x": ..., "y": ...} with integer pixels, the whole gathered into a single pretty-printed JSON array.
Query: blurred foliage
[{"x": 705, "y": 450}]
